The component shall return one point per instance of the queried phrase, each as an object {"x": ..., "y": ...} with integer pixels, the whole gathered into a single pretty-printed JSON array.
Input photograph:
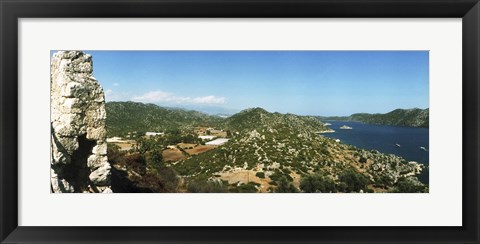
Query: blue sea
[{"x": 384, "y": 139}]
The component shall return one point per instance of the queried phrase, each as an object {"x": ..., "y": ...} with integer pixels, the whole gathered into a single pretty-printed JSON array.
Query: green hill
[
  {"x": 124, "y": 117},
  {"x": 283, "y": 153},
  {"x": 266, "y": 152},
  {"x": 399, "y": 117},
  {"x": 259, "y": 118}
]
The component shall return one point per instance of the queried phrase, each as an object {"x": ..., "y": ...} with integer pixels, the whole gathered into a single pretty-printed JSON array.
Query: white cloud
[
  {"x": 110, "y": 95},
  {"x": 161, "y": 96},
  {"x": 209, "y": 100},
  {"x": 116, "y": 84},
  {"x": 108, "y": 92}
]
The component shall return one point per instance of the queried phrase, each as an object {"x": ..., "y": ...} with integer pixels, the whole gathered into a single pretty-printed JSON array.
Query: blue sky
[{"x": 301, "y": 82}]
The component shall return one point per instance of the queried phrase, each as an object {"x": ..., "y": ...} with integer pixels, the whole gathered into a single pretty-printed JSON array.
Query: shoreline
[{"x": 326, "y": 131}]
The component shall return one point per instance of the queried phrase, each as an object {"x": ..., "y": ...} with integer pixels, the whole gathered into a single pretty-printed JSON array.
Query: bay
[{"x": 405, "y": 142}]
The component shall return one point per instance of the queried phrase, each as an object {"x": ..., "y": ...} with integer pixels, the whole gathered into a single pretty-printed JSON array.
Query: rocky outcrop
[{"x": 78, "y": 133}]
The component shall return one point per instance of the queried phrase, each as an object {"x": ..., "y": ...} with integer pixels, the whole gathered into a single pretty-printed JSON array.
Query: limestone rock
[{"x": 79, "y": 161}]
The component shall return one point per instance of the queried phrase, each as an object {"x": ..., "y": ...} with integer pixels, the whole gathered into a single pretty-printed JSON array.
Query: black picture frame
[{"x": 12, "y": 10}]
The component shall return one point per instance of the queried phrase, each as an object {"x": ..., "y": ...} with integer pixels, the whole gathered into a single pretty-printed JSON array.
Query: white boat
[
  {"x": 344, "y": 127},
  {"x": 327, "y": 124},
  {"x": 397, "y": 145},
  {"x": 424, "y": 149}
]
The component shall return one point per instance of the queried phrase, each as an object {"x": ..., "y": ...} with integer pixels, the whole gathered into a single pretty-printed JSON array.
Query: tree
[
  {"x": 136, "y": 162},
  {"x": 260, "y": 175},
  {"x": 202, "y": 185},
  {"x": 145, "y": 145},
  {"x": 245, "y": 188},
  {"x": 284, "y": 186},
  {"x": 354, "y": 180},
  {"x": 317, "y": 183},
  {"x": 408, "y": 185},
  {"x": 114, "y": 154},
  {"x": 156, "y": 157}
]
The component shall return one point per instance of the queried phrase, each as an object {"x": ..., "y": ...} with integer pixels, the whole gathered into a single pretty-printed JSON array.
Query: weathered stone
[
  {"x": 96, "y": 133},
  {"x": 95, "y": 161},
  {"x": 79, "y": 161},
  {"x": 67, "y": 145},
  {"x": 72, "y": 89},
  {"x": 100, "y": 149},
  {"x": 101, "y": 176},
  {"x": 59, "y": 185}
]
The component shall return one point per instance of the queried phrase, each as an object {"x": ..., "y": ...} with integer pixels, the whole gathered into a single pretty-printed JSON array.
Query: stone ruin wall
[{"x": 78, "y": 133}]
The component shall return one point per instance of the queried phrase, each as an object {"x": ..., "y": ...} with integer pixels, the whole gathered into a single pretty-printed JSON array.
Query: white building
[
  {"x": 114, "y": 139},
  {"x": 154, "y": 133},
  {"x": 206, "y": 137},
  {"x": 218, "y": 142}
]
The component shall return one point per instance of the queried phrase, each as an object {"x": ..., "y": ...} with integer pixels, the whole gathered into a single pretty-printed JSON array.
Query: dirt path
[{"x": 246, "y": 176}]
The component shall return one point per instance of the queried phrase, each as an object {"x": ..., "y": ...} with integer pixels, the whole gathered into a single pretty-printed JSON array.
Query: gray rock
[
  {"x": 59, "y": 185},
  {"x": 79, "y": 148}
]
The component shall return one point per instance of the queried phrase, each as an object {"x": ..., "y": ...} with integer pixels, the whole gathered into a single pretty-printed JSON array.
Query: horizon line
[{"x": 240, "y": 110}]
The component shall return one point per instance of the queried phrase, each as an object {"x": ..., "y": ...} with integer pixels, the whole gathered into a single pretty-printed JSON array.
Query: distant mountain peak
[
  {"x": 255, "y": 118},
  {"x": 254, "y": 110}
]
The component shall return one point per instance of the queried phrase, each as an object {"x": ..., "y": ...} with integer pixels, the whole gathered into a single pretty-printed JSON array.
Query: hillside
[
  {"x": 399, "y": 117},
  {"x": 259, "y": 118},
  {"x": 283, "y": 153},
  {"x": 124, "y": 117}
]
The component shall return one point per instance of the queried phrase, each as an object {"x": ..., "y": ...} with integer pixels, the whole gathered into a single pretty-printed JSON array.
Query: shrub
[
  {"x": 284, "y": 186},
  {"x": 354, "y": 180},
  {"x": 260, "y": 175},
  {"x": 152, "y": 182},
  {"x": 167, "y": 176},
  {"x": 245, "y": 188},
  {"x": 205, "y": 186},
  {"x": 136, "y": 162},
  {"x": 277, "y": 175},
  {"x": 409, "y": 186},
  {"x": 317, "y": 183},
  {"x": 114, "y": 154}
]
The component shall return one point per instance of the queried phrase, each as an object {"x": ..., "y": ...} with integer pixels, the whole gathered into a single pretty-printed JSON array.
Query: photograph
[
  {"x": 358, "y": 118},
  {"x": 239, "y": 121}
]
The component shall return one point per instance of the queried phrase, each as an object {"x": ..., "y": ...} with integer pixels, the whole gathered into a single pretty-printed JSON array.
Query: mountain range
[
  {"x": 125, "y": 117},
  {"x": 399, "y": 117}
]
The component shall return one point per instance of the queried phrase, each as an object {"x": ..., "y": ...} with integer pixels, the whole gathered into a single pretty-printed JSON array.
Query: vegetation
[
  {"x": 125, "y": 117},
  {"x": 250, "y": 187},
  {"x": 260, "y": 175},
  {"x": 399, "y": 117},
  {"x": 285, "y": 186},
  {"x": 317, "y": 183},
  {"x": 140, "y": 171},
  {"x": 409, "y": 185},
  {"x": 353, "y": 181},
  {"x": 202, "y": 185},
  {"x": 283, "y": 151}
]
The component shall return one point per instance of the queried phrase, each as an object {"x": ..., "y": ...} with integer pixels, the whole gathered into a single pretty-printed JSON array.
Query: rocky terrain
[
  {"x": 271, "y": 148},
  {"x": 267, "y": 152},
  {"x": 78, "y": 132}
]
